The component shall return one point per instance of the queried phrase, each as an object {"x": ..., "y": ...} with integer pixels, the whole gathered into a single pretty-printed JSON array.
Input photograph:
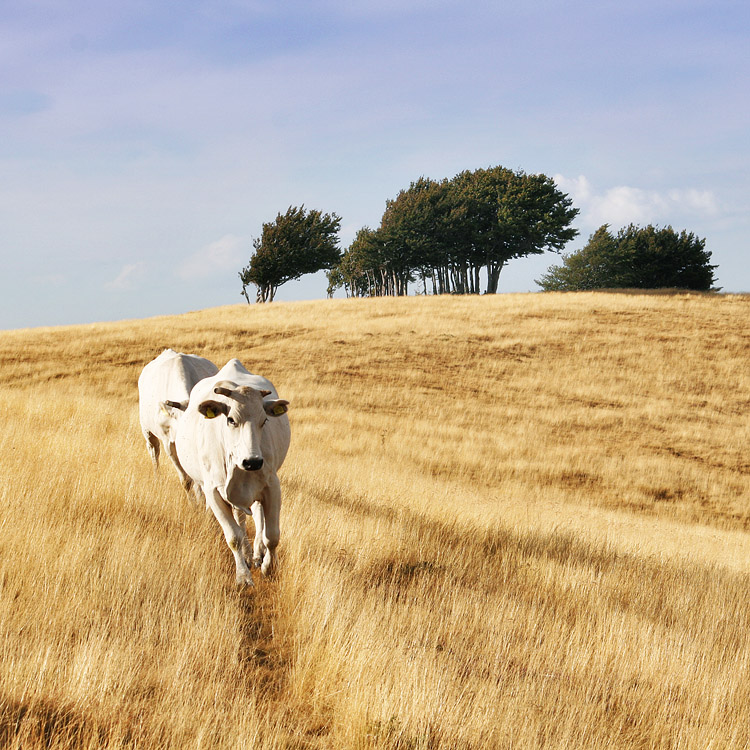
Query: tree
[
  {"x": 296, "y": 243},
  {"x": 357, "y": 271},
  {"x": 447, "y": 231},
  {"x": 412, "y": 234},
  {"x": 648, "y": 258},
  {"x": 596, "y": 266},
  {"x": 383, "y": 261},
  {"x": 511, "y": 215}
]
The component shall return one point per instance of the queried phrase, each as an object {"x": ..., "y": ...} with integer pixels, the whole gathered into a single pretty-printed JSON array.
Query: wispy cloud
[
  {"x": 128, "y": 277},
  {"x": 223, "y": 255},
  {"x": 624, "y": 204}
]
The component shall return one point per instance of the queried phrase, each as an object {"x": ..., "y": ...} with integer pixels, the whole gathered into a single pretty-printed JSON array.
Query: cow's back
[
  {"x": 171, "y": 376},
  {"x": 235, "y": 371}
]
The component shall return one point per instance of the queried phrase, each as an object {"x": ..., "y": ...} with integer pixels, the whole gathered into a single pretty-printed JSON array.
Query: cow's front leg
[
  {"x": 233, "y": 533},
  {"x": 271, "y": 532},
  {"x": 259, "y": 549},
  {"x": 241, "y": 519}
]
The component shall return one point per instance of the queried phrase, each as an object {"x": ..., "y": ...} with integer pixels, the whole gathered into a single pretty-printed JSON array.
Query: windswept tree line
[
  {"x": 454, "y": 236},
  {"x": 450, "y": 235}
]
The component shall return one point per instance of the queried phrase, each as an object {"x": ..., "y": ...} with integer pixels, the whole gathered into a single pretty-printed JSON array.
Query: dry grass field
[{"x": 508, "y": 522}]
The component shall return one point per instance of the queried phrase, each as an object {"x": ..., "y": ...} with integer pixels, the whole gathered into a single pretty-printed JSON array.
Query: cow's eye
[
  {"x": 264, "y": 422},
  {"x": 231, "y": 422}
]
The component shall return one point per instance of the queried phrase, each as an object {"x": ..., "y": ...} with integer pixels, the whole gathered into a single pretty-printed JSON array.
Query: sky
[{"x": 143, "y": 143}]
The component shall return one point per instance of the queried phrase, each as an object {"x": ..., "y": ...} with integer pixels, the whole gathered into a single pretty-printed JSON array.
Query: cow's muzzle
[{"x": 252, "y": 464}]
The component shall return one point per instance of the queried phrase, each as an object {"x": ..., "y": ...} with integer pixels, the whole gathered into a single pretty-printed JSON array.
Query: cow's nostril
[{"x": 252, "y": 464}]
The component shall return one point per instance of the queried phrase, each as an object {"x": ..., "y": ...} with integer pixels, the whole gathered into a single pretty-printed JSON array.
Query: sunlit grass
[{"x": 513, "y": 521}]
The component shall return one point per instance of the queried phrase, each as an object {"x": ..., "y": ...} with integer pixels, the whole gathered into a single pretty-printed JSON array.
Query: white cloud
[
  {"x": 622, "y": 205},
  {"x": 578, "y": 188},
  {"x": 128, "y": 276},
  {"x": 225, "y": 254},
  {"x": 701, "y": 201}
]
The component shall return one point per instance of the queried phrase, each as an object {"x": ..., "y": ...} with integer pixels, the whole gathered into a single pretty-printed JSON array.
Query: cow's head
[{"x": 243, "y": 412}]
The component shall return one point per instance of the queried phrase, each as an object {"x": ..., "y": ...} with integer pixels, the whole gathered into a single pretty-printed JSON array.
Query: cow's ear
[
  {"x": 276, "y": 408},
  {"x": 211, "y": 409},
  {"x": 172, "y": 409}
]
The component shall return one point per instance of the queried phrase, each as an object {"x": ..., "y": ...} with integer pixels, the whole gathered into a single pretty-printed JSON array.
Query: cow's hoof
[
  {"x": 244, "y": 579},
  {"x": 268, "y": 568}
]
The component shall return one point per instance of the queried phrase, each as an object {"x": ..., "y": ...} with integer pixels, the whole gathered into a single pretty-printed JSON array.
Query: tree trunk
[
  {"x": 493, "y": 275},
  {"x": 458, "y": 275},
  {"x": 265, "y": 293}
]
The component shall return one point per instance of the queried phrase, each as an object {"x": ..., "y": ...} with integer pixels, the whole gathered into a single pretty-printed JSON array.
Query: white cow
[
  {"x": 163, "y": 393},
  {"x": 231, "y": 441}
]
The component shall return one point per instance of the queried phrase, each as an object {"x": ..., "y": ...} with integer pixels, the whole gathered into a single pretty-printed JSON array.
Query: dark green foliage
[
  {"x": 296, "y": 243},
  {"x": 355, "y": 270},
  {"x": 446, "y": 232},
  {"x": 649, "y": 258}
]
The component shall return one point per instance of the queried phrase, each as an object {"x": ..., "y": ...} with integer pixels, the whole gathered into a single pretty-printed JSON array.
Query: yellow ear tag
[
  {"x": 164, "y": 411},
  {"x": 210, "y": 413},
  {"x": 278, "y": 410}
]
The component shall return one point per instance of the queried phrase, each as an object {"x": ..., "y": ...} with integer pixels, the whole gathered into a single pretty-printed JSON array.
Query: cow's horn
[{"x": 225, "y": 388}]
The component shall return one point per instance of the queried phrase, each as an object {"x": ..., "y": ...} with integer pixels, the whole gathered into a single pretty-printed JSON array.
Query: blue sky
[{"x": 143, "y": 144}]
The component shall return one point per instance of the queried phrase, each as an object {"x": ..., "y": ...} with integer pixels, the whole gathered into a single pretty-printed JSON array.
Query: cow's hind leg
[
  {"x": 233, "y": 533},
  {"x": 153, "y": 445},
  {"x": 187, "y": 482}
]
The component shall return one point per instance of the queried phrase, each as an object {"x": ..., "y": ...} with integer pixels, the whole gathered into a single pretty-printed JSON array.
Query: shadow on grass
[
  {"x": 504, "y": 560},
  {"x": 41, "y": 723}
]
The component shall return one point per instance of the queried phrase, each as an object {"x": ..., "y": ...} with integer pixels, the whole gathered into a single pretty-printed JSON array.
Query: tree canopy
[
  {"x": 635, "y": 258},
  {"x": 296, "y": 243},
  {"x": 447, "y": 232}
]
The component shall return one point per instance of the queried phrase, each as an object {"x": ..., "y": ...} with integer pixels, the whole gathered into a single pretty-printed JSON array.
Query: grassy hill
[{"x": 511, "y": 521}]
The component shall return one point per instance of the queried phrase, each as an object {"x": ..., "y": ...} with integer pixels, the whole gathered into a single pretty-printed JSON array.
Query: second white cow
[
  {"x": 231, "y": 441},
  {"x": 163, "y": 393}
]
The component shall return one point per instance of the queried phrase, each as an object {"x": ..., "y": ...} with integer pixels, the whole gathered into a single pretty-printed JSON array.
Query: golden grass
[{"x": 509, "y": 522}]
